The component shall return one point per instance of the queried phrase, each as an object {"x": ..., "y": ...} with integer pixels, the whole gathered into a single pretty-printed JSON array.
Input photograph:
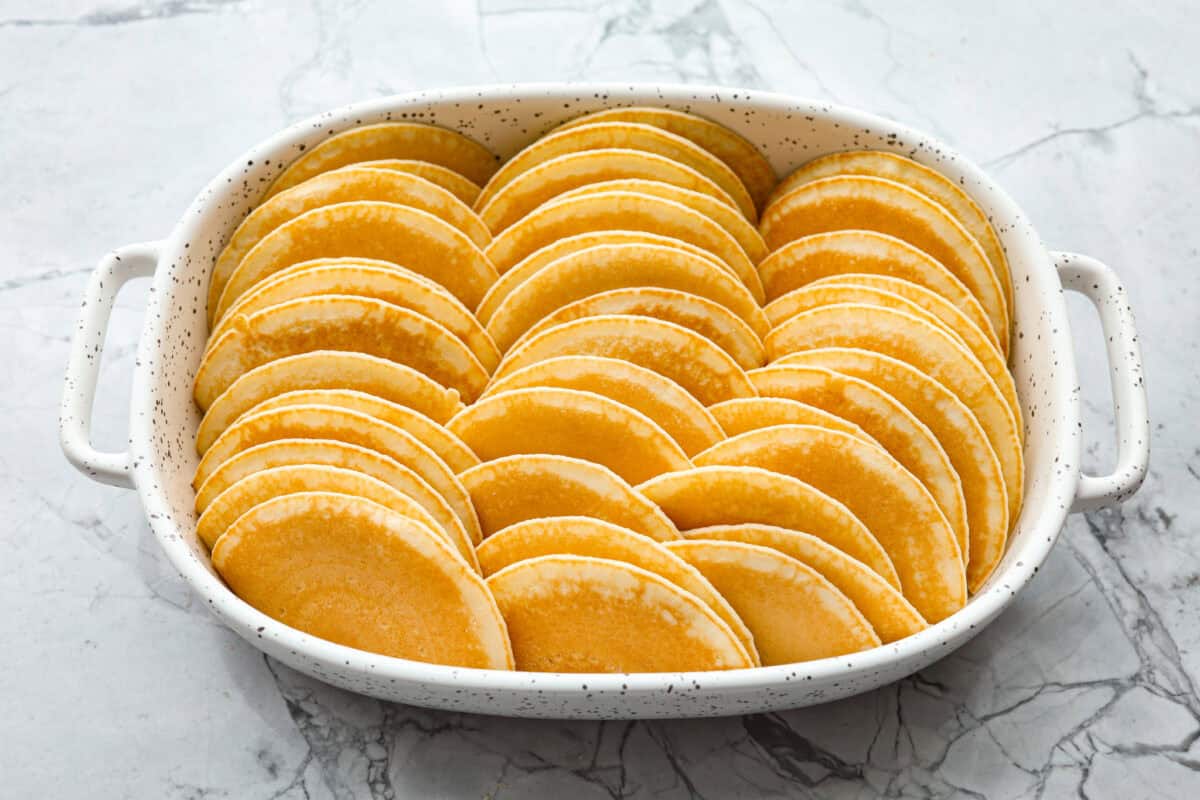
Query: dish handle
[
  {"x": 87, "y": 345},
  {"x": 1101, "y": 285}
]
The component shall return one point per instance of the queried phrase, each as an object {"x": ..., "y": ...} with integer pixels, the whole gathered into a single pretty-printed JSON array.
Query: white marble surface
[{"x": 114, "y": 683}]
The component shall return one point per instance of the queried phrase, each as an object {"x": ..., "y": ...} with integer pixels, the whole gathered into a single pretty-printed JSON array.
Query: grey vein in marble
[{"x": 126, "y": 14}]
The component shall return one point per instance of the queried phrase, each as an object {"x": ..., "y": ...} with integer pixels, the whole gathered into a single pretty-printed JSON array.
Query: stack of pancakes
[{"x": 623, "y": 403}]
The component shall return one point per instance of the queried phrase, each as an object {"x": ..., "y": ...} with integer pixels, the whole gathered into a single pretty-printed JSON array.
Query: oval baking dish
[{"x": 789, "y": 131}]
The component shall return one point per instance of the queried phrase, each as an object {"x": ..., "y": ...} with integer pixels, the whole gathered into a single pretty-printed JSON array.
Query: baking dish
[{"x": 161, "y": 458}]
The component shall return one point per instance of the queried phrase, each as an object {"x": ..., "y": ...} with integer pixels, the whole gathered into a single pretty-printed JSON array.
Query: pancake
[
  {"x": 568, "y": 613},
  {"x": 308, "y": 452},
  {"x": 752, "y": 413},
  {"x": 345, "y": 425},
  {"x": 726, "y": 495},
  {"x": 339, "y": 322},
  {"x": 794, "y": 613},
  {"x": 706, "y": 371},
  {"x": 928, "y": 182},
  {"x": 837, "y": 253},
  {"x": 889, "y": 613},
  {"x": 620, "y": 211},
  {"x": 618, "y": 266},
  {"x": 929, "y": 349},
  {"x": 878, "y": 290},
  {"x": 662, "y": 400},
  {"x": 453, "y": 182},
  {"x": 558, "y": 248},
  {"x": 956, "y": 428},
  {"x": 380, "y": 280},
  {"x": 445, "y": 445},
  {"x": 509, "y": 490},
  {"x": 552, "y": 178},
  {"x": 863, "y": 252},
  {"x": 571, "y": 423},
  {"x": 367, "y": 229},
  {"x": 884, "y": 289},
  {"x": 260, "y": 487},
  {"x": 711, "y": 320},
  {"x": 585, "y": 536},
  {"x": 625, "y": 136},
  {"x": 751, "y": 167},
  {"x": 886, "y": 420},
  {"x": 893, "y": 504},
  {"x": 350, "y": 571},
  {"x": 391, "y": 140},
  {"x": 715, "y": 322},
  {"x": 728, "y": 218},
  {"x": 342, "y": 186},
  {"x": 875, "y": 204},
  {"x": 327, "y": 369}
]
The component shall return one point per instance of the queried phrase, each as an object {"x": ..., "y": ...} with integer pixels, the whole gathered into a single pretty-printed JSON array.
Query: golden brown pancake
[
  {"x": 342, "y": 186},
  {"x": 794, "y": 613},
  {"x": 662, "y": 400},
  {"x": 455, "y": 183},
  {"x": 620, "y": 211},
  {"x": 443, "y": 443},
  {"x": 889, "y": 613},
  {"x": 367, "y": 229},
  {"x": 586, "y": 536},
  {"x": 889, "y": 292},
  {"x": 327, "y": 369},
  {"x": 929, "y": 349},
  {"x": 558, "y": 248},
  {"x": 728, "y": 218},
  {"x": 878, "y": 290},
  {"x": 517, "y": 488},
  {"x": 380, "y": 280},
  {"x": 916, "y": 176},
  {"x": 343, "y": 455},
  {"x": 388, "y": 140},
  {"x": 711, "y": 320},
  {"x": 889, "y": 423},
  {"x": 695, "y": 363},
  {"x": 893, "y": 504},
  {"x": 606, "y": 267},
  {"x": 341, "y": 424},
  {"x": 828, "y": 255},
  {"x": 743, "y": 158},
  {"x": 871, "y": 285},
  {"x": 752, "y": 413},
  {"x": 960, "y": 433},
  {"x": 569, "y": 613},
  {"x": 864, "y": 203},
  {"x": 568, "y": 422},
  {"x": 726, "y": 495},
  {"x": 339, "y": 322},
  {"x": 266, "y": 484},
  {"x": 552, "y": 178},
  {"x": 350, "y": 571},
  {"x": 625, "y": 136}
]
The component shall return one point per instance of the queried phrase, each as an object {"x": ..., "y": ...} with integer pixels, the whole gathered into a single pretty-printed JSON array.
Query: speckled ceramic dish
[{"x": 163, "y": 419}]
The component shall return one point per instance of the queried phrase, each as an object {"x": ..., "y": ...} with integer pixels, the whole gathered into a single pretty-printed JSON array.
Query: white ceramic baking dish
[{"x": 161, "y": 457}]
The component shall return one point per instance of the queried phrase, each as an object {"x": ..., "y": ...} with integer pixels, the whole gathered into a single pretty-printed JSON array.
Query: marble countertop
[{"x": 115, "y": 683}]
